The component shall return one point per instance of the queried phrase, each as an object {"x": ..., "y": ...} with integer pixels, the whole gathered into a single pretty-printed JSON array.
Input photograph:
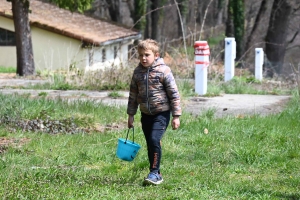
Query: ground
[{"x": 238, "y": 105}]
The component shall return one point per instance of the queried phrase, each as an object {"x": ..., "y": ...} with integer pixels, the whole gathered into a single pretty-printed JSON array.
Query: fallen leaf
[{"x": 205, "y": 131}]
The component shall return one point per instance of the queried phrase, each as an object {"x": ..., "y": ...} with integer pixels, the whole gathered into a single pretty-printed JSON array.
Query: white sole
[{"x": 149, "y": 182}]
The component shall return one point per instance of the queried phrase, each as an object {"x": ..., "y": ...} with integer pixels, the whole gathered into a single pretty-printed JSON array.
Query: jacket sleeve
[
  {"x": 172, "y": 92},
  {"x": 132, "y": 105}
]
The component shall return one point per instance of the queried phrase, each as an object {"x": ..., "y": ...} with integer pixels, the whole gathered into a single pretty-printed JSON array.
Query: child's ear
[{"x": 156, "y": 55}]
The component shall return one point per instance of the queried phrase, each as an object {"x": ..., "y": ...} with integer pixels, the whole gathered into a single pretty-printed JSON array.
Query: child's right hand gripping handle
[{"x": 130, "y": 121}]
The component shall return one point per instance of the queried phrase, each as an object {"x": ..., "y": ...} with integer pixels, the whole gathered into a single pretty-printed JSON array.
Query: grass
[
  {"x": 7, "y": 69},
  {"x": 111, "y": 79},
  {"x": 207, "y": 158},
  {"x": 115, "y": 94},
  {"x": 115, "y": 80}
]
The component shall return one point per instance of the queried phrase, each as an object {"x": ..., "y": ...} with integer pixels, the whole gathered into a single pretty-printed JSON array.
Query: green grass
[
  {"x": 239, "y": 158},
  {"x": 7, "y": 69},
  {"x": 115, "y": 94},
  {"x": 112, "y": 79}
]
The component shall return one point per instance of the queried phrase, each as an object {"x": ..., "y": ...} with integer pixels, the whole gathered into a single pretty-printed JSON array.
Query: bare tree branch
[{"x": 204, "y": 18}]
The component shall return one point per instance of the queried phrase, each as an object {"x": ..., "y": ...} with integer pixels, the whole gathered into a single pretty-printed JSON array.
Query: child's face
[{"x": 147, "y": 57}]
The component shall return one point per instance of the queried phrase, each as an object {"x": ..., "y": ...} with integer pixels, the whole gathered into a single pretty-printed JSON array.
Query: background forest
[{"x": 269, "y": 24}]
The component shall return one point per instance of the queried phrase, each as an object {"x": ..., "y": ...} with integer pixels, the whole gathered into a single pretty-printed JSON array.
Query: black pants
[{"x": 154, "y": 126}]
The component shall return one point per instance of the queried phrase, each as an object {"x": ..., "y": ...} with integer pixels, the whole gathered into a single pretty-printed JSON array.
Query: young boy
[{"x": 154, "y": 90}]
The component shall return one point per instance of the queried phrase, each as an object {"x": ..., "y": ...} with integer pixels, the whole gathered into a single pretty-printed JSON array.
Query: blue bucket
[{"x": 127, "y": 149}]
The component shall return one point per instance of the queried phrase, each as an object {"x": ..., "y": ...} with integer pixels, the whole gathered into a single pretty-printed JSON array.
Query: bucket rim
[{"x": 128, "y": 141}]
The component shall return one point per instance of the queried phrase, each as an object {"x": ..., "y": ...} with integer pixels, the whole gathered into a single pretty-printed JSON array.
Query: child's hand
[
  {"x": 130, "y": 121},
  {"x": 175, "y": 122}
]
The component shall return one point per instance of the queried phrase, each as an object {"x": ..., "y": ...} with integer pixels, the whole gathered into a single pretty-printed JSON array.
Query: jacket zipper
[{"x": 147, "y": 91}]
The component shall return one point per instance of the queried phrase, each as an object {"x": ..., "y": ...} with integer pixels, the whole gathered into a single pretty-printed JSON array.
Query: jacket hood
[{"x": 157, "y": 62}]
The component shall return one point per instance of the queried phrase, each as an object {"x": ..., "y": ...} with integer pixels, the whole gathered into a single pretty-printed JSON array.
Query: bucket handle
[{"x": 132, "y": 135}]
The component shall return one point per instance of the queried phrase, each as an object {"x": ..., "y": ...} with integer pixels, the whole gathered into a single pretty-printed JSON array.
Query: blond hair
[{"x": 149, "y": 44}]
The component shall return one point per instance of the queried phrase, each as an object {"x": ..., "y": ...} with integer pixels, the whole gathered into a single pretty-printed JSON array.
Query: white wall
[
  {"x": 53, "y": 51},
  {"x": 8, "y": 56},
  {"x": 7, "y": 24},
  {"x": 121, "y": 58}
]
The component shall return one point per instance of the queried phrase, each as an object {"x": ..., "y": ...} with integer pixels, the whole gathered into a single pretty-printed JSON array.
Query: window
[
  {"x": 115, "y": 51},
  {"x": 7, "y": 38},
  {"x": 103, "y": 55}
]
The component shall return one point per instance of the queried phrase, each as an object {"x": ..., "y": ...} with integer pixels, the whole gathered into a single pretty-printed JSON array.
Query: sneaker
[{"x": 153, "y": 179}]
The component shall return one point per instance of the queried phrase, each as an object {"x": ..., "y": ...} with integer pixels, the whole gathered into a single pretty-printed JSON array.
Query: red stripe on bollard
[{"x": 202, "y": 62}]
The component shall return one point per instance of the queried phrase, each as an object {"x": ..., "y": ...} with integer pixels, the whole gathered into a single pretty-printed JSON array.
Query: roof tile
[{"x": 75, "y": 25}]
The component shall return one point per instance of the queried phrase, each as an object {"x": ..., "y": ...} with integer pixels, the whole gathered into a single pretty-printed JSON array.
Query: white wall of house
[
  {"x": 8, "y": 56},
  {"x": 56, "y": 52},
  {"x": 115, "y": 55},
  {"x": 7, "y": 24},
  {"x": 53, "y": 51}
]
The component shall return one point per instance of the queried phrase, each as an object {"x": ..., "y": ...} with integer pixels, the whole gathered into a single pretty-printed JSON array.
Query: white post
[
  {"x": 259, "y": 61},
  {"x": 230, "y": 54},
  {"x": 202, "y": 53}
]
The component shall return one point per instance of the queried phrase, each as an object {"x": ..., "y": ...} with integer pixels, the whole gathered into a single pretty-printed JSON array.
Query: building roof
[{"x": 75, "y": 25}]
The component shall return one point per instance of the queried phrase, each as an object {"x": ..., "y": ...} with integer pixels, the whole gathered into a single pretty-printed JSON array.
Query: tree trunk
[
  {"x": 25, "y": 61},
  {"x": 229, "y": 32},
  {"x": 220, "y": 9},
  {"x": 114, "y": 10},
  {"x": 183, "y": 7},
  {"x": 147, "y": 33},
  {"x": 155, "y": 19},
  {"x": 258, "y": 19},
  {"x": 138, "y": 11},
  {"x": 277, "y": 34},
  {"x": 239, "y": 24}
]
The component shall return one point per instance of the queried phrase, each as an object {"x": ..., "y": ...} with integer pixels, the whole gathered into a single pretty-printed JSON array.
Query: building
[{"x": 62, "y": 39}]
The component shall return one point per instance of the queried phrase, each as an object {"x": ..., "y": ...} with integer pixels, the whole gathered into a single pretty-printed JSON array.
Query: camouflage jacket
[{"x": 153, "y": 89}]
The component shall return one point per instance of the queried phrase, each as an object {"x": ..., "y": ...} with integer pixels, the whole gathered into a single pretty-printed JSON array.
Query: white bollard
[
  {"x": 202, "y": 53},
  {"x": 259, "y": 61},
  {"x": 230, "y": 54}
]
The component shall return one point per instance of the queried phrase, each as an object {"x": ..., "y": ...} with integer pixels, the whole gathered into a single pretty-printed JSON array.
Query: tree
[
  {"x": 153, "y": 16},
  {"x": 258, "y": 21},
  {"x": 25, "y": 62},
  {"x": 229, "y": 31},
  {"x": 183, "y": 7},
  {"x": 239, "y": 24},
  {"x": 220, "y": 10},
  {"x": 114, "y": 11},
  {"x": 235, "y": 24},
  {"x": 74, "y": 5},
  {"x": 137, "y": 12},
  {"x": 277, "y": 33},
  {"x": 154, "y": 19}
]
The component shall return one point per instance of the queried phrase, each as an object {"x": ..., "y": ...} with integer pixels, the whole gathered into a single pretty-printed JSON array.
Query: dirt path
[
  {"x": 238, "y": 104},
  {"x": 228, "y": 104}
]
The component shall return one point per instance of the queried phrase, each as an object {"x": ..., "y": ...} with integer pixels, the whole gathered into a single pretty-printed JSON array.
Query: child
[{"x": 154, "y": 89}]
